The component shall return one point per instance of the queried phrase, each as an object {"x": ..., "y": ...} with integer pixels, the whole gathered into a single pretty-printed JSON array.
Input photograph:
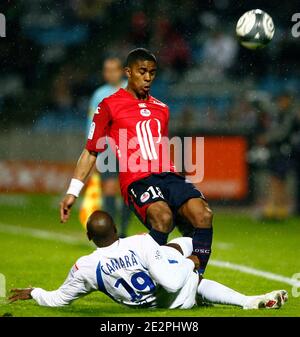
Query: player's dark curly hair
[{"x": 139, "y": 54}]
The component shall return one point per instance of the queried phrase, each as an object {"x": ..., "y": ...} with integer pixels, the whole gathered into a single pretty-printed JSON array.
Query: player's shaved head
[{"x": 101, "y": 229}]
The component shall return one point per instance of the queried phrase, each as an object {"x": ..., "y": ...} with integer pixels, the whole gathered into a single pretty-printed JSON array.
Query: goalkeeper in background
[{"x": 113, "y": 76}]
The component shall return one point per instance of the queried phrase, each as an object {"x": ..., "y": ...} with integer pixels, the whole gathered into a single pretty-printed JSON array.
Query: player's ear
[{"x": 127, "y": 72}]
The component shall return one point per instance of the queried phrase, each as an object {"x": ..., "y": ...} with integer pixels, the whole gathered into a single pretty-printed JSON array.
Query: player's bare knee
[
  {"x": 203, "y": 218},
  {"x": 166, "y": 221},
  {"x": 162, "y": 222},
  {"x": 161, "y": 218}
]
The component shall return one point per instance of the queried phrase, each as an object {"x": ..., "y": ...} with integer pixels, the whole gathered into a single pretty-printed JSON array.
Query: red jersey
[{"x": 137, "y": 131}]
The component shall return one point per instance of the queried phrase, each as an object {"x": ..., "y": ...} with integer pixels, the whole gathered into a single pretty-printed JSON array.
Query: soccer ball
[{"x": 255, "y": 29}]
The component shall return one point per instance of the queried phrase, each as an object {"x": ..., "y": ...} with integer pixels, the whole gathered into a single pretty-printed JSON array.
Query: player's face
[
  {"x": 112, "y": 72},
  {"x": 140, "y": 76}
]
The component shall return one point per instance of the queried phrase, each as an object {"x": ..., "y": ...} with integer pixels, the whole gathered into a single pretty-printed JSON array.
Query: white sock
[{"x": 215, "y": 292}]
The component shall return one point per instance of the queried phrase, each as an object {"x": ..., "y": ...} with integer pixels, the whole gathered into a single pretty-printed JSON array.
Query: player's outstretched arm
[
  {"x": 74, "y": 287},
  {"x": 83, "y": 168}
]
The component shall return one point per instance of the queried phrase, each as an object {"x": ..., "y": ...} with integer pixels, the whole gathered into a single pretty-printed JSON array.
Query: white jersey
[{"x": 135, "y": 271}]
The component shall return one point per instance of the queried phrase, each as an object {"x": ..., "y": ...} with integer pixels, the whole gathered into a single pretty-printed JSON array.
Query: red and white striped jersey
[{"x": 138, "y": 134}]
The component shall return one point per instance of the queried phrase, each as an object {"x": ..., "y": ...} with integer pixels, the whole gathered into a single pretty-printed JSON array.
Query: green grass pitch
[{"x": 27, "y": 260}]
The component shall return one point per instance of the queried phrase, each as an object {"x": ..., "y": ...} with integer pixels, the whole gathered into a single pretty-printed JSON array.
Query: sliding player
[
  {"x": 136, "y": 271},
  {"x": 158, "y": 198}
]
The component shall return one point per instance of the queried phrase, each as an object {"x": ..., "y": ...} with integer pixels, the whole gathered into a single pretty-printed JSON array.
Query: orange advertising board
[
  {"x": 34, "y": 176},
  {"x": 225, "y": 168},
  {"x": 224, "y": 174}
]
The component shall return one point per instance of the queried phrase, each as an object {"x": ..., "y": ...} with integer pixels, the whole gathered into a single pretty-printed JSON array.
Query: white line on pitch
[
  {"x": 40, "y": 234},
  {"x": 47, "y": 235},
  {"x": 54, "y": 236},
  {"x": 223, "y": 245},
  {"x": 256, "y": 272}
]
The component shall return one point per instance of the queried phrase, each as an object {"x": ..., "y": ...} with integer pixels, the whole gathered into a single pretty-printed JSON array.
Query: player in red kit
[{"x": 136, "y": 126}]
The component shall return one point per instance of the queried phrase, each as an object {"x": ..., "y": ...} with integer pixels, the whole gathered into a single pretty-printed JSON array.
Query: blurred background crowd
[{"x": 52, "y": 58}]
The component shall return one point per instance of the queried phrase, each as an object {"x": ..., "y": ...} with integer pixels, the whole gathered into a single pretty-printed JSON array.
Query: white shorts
[{"x": 185, "y": 298}]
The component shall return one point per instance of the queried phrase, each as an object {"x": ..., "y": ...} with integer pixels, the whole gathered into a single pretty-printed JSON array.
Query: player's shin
[
  {"x": 202, "y": 241},
  {"x": 214, "y": 292}
]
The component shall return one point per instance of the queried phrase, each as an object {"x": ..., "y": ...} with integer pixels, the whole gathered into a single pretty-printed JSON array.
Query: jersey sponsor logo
[
  {"x": 146, "y": 140},
  {"x": 145, "y": 112},
  {"x": 142, "y": 105},
  {"x": 92, "y": 130},
  {"x": 145, "y": 196}
]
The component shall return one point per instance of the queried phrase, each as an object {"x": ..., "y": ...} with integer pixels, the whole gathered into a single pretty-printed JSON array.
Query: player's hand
[
  {"x": 196, "y": 261},
  {"x": 65, "y": 207},
  {"x": 20, "y": 294}
]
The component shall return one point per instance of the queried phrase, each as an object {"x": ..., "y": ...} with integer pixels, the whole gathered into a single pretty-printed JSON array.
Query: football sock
[
  {"x": 202, "y": 241},
  {"x": 217, "y": 293},
  {"x": 160, "y": 237}
]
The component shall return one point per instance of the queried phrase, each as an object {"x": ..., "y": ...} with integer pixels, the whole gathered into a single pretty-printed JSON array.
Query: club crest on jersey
[
  {"x": 145, "y": 196},
  {"x": 145, "y": 112}
]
